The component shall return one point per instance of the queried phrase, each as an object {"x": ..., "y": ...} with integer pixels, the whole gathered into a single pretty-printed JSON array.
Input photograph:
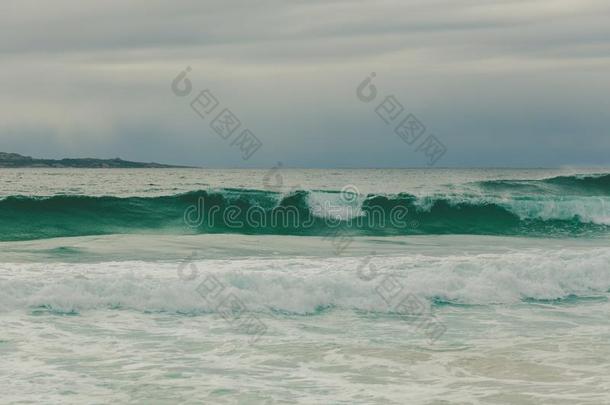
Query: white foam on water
[
  {"x": 587, "y": 209},
  {"x": 336, "y": 206},
  {"x": 594, "y": 210},
  {"x": 305, "y": 285}
]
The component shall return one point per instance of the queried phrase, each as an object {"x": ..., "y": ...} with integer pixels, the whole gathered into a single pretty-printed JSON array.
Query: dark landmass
[{"x": 17, "y": 160}]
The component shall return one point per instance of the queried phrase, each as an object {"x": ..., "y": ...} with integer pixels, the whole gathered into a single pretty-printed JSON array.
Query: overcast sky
[{"x": 499, "y": 83}]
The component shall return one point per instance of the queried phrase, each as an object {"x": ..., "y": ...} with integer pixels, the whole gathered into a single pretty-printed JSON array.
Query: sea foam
[{"x": 309, "y": 285}]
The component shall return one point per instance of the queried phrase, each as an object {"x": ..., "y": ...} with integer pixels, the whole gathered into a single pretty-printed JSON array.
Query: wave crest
[{"x": 546, "y": 212}]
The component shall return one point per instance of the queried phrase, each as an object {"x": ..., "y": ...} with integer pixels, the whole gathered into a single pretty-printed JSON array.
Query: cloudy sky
[{"x": 499, "y": 83}]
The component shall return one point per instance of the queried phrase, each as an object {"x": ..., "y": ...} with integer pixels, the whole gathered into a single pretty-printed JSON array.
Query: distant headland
[{"x": 17, "y": 160}]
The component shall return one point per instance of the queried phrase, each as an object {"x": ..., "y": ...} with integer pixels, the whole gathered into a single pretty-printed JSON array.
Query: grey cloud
[{"x": 486, "y": 76}]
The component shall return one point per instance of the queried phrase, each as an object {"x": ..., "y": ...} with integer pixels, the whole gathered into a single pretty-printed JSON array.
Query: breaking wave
[
  {"x": 567, "y": 205},
  {"x": 309, "y": 285}
]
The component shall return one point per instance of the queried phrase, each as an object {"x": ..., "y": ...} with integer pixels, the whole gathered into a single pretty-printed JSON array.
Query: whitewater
[{"x": 419, "y": 286}]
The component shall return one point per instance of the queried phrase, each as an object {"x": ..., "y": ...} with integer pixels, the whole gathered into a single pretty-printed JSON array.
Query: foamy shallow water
[
  {"x": 525, "y": 321},
  {"x": 489, "y": 355}
]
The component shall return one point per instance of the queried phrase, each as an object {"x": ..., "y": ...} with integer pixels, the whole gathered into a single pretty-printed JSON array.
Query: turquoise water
[{"x": 384, "y": 286}]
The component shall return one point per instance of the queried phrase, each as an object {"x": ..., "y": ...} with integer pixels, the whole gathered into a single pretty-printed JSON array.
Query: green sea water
[{"x": 570, "y": 205}]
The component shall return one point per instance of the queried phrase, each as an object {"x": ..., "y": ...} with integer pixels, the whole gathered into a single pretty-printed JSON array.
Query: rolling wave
[
  {"x": 568, "y": 205},
  {"x": 587, "y": 185}
]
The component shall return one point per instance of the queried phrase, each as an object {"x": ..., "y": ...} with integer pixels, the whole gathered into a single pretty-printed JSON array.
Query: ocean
[{"x": 351, "y": 286}]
